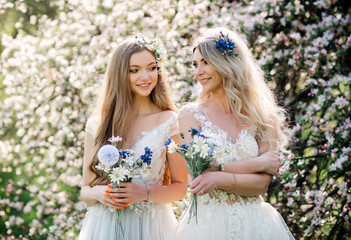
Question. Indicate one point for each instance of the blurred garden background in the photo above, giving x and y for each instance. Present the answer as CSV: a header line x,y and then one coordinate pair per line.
x,y
53,57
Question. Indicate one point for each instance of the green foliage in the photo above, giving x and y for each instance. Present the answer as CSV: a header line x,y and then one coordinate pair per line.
x,y
53,58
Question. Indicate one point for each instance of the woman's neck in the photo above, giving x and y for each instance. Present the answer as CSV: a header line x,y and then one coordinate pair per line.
x,y
142,106
220,101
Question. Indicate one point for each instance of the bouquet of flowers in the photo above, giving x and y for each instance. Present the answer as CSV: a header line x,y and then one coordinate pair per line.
x,y
120,166
200,153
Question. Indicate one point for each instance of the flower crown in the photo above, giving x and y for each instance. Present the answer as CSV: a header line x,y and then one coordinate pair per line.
x,y
225,44
157,48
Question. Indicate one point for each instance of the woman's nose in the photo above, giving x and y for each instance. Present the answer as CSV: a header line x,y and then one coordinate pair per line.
x,y
144,75
199,70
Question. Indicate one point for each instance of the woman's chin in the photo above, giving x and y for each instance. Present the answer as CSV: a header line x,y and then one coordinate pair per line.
x,y
207,89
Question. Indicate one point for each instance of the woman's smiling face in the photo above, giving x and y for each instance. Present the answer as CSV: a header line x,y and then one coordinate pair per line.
x,y
209,78
143,73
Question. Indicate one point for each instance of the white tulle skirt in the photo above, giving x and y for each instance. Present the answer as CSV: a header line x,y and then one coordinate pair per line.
x,y
256,220
156,222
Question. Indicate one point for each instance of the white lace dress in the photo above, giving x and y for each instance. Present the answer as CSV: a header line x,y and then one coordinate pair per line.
x,y
152,221
223,215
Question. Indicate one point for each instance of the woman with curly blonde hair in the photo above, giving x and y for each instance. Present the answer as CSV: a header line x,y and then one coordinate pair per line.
x,y
134,104
239,112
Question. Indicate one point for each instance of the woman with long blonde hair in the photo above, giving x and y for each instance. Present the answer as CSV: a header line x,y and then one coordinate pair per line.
x,y
134,104
238,112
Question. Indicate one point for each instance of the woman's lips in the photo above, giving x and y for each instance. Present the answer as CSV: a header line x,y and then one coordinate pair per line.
x,y
144,85
204,80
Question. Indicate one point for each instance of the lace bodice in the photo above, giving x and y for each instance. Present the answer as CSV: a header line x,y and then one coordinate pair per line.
x,y
153,139
243,148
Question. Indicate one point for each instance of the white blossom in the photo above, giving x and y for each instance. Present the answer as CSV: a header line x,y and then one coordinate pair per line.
x,y
172,147
118,174
115,139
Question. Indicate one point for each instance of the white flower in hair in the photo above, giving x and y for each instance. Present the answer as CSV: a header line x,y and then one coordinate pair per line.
x,y
108,155
157,47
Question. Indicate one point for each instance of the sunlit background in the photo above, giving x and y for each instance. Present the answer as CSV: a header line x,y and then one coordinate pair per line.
x,y
53,57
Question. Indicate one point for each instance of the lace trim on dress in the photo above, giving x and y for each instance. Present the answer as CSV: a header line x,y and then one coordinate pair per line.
x,y
166,129
93,124
155,140
245,143
236,214
244,147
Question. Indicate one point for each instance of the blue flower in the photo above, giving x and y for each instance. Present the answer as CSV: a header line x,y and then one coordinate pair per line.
x,y
147,156
200,135
184,146
124,154
168,142
221,44
194,131
148,151
182,135
230,44
225,44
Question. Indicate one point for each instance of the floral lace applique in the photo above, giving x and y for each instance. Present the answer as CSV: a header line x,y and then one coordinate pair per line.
x,y
245,146
226,215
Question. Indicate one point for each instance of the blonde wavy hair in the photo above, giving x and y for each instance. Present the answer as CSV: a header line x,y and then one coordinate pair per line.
x,y
243,81
115,100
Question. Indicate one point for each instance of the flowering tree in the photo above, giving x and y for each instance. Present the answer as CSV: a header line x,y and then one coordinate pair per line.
x,y
51,77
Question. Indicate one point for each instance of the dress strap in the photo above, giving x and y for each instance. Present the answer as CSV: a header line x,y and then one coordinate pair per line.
x,y
92,125
197,112
171,126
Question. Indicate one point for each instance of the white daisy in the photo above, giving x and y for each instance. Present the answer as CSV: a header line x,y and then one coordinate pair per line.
x,y
145,171
103,168
220,155
115,139
118,174
172,147
204,150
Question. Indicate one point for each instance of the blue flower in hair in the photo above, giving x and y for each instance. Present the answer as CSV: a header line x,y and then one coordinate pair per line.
x,y
221,44
225,44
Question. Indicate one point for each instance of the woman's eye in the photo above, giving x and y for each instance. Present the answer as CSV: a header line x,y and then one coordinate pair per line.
x,y
194,65
152,68
205,62
133,70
